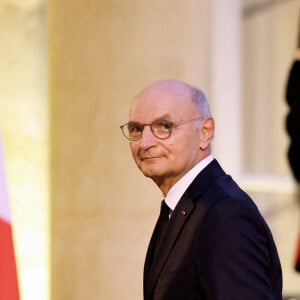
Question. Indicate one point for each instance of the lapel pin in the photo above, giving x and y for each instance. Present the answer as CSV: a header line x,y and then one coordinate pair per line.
x,y
183,212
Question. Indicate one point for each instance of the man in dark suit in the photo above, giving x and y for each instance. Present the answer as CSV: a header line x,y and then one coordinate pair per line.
x,y
210,241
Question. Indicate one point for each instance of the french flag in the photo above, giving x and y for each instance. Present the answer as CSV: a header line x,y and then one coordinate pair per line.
x,y
8,272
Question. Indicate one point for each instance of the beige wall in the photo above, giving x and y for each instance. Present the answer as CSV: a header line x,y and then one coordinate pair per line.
x,y
103,210
269,43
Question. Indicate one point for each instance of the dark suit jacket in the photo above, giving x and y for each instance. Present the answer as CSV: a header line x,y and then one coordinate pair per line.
x,y
216,246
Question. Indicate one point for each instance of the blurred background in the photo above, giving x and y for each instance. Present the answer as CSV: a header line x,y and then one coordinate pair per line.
x,y
82,214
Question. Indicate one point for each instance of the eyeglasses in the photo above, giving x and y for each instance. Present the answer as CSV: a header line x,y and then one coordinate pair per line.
x,y
161,129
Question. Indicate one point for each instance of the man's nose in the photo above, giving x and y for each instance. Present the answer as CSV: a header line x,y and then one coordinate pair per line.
x,y
148,139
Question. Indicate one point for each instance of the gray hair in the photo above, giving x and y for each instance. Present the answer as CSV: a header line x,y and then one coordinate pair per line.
x,y
199,98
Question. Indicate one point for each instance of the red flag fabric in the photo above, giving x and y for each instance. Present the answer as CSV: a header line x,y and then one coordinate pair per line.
x,y
9,289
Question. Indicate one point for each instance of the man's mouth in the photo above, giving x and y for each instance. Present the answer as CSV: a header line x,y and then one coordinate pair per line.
x,y
145,158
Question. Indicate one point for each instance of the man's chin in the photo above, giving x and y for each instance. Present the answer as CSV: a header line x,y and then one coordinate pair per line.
x,y
152,168
150,172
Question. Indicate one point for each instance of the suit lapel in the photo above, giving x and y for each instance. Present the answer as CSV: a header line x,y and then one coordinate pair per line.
x,y
149,257
173,229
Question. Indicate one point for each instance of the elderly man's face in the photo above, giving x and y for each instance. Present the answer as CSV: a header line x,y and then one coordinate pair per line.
x,y
166,160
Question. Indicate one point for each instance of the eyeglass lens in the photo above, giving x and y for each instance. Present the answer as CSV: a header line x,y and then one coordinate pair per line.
x,y
134,131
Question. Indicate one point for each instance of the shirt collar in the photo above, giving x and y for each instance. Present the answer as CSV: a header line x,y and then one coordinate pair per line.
x,y
178,189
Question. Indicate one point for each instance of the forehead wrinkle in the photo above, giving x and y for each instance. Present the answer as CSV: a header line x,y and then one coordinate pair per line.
x,y
165,117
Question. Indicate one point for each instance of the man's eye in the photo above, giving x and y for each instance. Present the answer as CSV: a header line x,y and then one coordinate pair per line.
x,y
164,125
135,128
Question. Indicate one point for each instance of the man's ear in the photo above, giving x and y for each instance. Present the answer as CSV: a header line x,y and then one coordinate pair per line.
x,y
207,133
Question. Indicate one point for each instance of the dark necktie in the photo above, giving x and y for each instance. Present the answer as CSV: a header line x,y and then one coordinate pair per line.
x,y
158,232
162,222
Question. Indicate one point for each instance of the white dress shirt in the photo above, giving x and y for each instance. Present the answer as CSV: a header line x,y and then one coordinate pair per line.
x,y
178,189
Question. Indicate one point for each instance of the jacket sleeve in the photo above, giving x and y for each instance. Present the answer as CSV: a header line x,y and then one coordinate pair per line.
x,y
238,258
